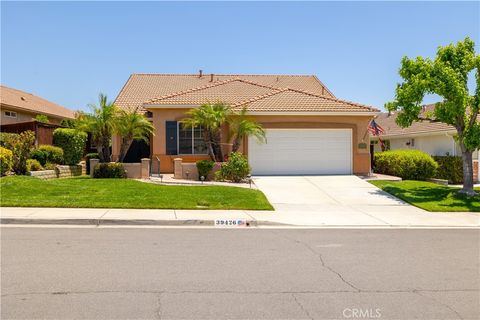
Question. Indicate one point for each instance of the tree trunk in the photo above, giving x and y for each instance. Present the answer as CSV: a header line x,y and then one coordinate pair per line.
x,y
207,137
106,148
218,146
236,144
467,172
126,143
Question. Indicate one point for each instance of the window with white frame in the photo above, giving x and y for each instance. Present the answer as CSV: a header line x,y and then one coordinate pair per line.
x,y
190,140
10,114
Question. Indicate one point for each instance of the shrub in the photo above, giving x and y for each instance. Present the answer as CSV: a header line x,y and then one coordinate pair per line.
x,y
235,169
407,164
6,139
49,166
204,167
46,153
109,170
6,160
72,142
41,118
449,168
21,146
89,156
33,165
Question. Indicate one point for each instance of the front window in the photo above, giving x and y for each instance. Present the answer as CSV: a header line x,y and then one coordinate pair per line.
x,y
190,140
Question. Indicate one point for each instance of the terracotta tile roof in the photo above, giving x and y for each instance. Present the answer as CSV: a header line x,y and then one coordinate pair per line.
x,y
387,122
143,87
230,91
290,100
31,103
259,98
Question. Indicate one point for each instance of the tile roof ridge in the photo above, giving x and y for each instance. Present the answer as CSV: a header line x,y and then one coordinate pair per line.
x,y
178,93
263,96
227,74
211,85
336,99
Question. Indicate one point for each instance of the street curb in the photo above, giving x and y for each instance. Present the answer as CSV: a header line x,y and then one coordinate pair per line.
x,y
137,222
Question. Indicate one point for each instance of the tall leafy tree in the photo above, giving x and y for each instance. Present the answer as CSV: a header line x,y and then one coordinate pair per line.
x,y
241,126
447,76
132,125
101,125
210,117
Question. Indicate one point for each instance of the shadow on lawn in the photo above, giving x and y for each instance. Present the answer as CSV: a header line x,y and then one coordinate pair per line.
x,y
442,196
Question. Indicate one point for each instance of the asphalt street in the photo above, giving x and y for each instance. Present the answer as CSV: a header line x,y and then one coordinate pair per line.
x,y
166,273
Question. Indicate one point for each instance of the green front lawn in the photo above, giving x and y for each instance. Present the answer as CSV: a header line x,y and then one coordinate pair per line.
x,y
84,192
430,196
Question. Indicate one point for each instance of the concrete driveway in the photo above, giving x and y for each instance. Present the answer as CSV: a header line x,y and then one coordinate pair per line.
x,y
345,200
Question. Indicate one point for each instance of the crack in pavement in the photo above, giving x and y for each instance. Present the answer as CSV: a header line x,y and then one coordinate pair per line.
x,y
322,261
302,307
441,303
158,312
231,292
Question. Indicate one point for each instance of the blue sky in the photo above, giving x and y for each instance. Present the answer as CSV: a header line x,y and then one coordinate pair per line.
x,y
68,52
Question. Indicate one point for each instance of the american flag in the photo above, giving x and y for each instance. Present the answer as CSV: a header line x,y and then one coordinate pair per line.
x,y
375,129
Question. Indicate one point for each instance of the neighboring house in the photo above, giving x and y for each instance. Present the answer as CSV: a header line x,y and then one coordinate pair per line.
x,y
309,130
434,138
19,106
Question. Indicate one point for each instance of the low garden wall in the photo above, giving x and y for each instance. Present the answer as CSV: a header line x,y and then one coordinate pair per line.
x,y
60,171
189,171
137,170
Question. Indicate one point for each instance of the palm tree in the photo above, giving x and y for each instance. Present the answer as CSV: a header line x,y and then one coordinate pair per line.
x,y
210,117
242,126
132,125
100,124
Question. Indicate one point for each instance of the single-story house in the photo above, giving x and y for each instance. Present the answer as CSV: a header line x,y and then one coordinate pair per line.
x,y
19,106
432,137
309,130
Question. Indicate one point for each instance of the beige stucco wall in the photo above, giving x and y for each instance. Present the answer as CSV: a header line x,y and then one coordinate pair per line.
x,y
358,124
22,116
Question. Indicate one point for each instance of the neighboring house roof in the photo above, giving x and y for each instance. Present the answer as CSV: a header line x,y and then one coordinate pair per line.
x,y
31,103
387,122
270,93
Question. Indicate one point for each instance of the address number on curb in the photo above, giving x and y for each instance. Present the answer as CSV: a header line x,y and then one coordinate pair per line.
x,y
231,223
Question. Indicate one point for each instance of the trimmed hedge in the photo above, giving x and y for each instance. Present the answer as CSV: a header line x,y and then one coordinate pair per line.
x,y
47,153
6,160
109,170
406,164
235,169
450,168
72,142
204,167
33,165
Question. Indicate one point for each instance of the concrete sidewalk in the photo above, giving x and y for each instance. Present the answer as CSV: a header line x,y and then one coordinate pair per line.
x,y
317,217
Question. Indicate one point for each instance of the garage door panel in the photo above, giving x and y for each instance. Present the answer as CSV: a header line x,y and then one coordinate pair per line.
x,y
302,151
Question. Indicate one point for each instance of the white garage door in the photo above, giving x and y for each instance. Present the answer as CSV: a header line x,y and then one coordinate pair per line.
x,y
302,151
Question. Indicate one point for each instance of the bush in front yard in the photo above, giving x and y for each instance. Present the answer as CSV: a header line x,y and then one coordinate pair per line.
x,y
72,142
449,168
235,169
407,164
47,153
6,160
21,146
204,167
33,165
109,170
